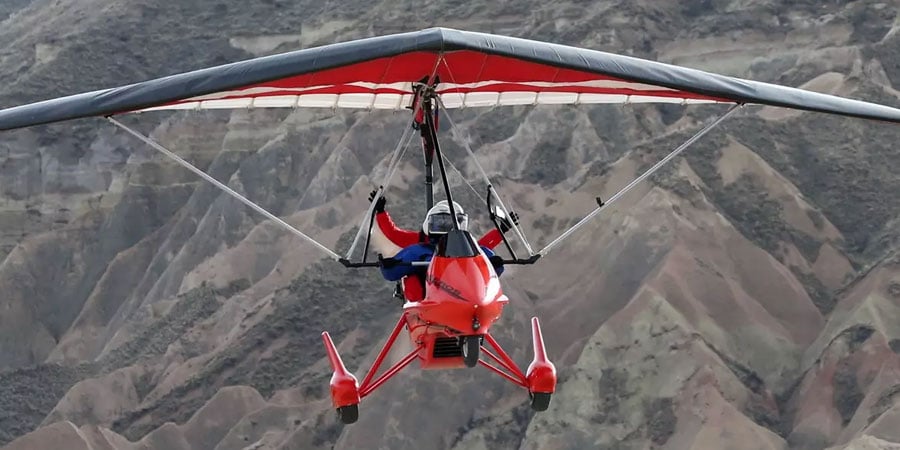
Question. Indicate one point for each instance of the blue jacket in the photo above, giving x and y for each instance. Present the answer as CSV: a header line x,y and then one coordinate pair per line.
x,y
419,252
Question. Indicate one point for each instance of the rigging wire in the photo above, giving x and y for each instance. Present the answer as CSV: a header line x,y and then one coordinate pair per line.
x,y
396,157
331,254
463,177
639,179
393,165
458,136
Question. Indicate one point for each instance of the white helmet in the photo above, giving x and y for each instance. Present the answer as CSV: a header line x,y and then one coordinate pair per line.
x,y
439,221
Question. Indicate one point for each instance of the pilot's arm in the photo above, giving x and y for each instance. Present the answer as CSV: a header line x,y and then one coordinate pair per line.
x,y
393,269
496,260
395,234
494,237
491,239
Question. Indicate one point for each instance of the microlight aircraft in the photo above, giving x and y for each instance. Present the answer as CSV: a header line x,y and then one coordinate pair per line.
x,y
430,72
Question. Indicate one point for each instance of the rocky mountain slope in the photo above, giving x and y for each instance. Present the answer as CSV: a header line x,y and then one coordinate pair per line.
x,y
745,298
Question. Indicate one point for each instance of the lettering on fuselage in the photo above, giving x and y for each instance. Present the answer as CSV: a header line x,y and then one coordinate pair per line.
x,y
440,284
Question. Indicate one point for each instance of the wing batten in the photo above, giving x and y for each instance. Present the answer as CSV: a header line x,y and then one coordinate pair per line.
x,y
476,69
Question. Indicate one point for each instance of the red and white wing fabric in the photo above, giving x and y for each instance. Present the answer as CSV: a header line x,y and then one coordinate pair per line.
x,y
480,79
467,79
473,69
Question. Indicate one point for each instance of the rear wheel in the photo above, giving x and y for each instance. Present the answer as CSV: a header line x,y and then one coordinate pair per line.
x,y
470,350
540,401
348,414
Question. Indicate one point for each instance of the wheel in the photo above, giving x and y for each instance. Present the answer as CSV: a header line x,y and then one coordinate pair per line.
x,y
540,401
348,414
470,350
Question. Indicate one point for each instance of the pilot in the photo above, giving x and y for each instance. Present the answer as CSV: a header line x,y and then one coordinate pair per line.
x,y
438,222
400,238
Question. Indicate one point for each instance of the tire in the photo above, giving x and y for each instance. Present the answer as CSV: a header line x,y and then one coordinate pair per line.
x,y
540,401
471,349
348,414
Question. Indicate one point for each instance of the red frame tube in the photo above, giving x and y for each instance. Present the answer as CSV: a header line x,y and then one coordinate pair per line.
x,y
364,387
502,373
390,372
508,362
503,365
541,373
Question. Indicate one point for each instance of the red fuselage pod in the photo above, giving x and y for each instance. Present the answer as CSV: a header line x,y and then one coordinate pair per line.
x,y
462,298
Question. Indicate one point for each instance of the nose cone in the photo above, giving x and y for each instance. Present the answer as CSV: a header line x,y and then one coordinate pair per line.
x,y
476,281
465,292
490,304
491,292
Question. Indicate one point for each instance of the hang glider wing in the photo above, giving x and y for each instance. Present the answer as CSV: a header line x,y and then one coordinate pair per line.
x,y
473,69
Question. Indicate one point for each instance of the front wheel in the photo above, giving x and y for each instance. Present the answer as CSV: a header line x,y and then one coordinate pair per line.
x,y
470,350
348,414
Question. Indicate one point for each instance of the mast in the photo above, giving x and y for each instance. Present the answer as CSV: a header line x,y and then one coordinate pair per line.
x,y
432,133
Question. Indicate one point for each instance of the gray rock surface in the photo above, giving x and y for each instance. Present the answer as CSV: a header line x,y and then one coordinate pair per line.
x,y
744,298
